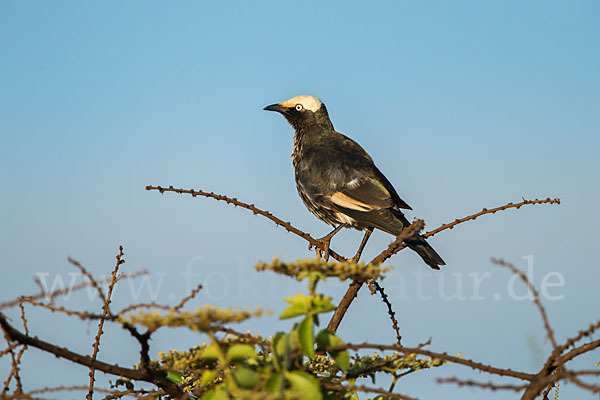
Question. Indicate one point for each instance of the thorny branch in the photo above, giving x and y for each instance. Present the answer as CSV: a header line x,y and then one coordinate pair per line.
x,y
536,297
553,370
144,373
256,211
150,376
63,292
398,244
91,279
105,313
482,385
394,247
391,313
485,211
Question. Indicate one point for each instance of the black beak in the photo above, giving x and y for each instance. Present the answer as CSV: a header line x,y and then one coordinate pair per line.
x,y
278,108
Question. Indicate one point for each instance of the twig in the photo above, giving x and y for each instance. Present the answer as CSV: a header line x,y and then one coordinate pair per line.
x,y
105,313
15,367
256,339
81,314
90,277
568,343
584,348
144,305
490,211
66,389
256,211
391,312
536,297
8,349
58,292
441,356
483,385
188,298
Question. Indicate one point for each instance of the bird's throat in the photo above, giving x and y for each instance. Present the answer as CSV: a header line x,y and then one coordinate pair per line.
x,y
298,144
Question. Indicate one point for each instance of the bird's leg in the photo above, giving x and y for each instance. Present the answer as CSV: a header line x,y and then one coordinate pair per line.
x,y
368,233
325,240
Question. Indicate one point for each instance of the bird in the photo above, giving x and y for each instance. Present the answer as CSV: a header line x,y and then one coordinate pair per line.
x,y
338,181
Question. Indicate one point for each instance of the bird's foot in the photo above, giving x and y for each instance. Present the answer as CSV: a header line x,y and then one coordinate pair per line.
x,y
323,250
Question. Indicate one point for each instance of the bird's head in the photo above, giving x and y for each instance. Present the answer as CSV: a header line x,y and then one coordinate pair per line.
x,y
303,111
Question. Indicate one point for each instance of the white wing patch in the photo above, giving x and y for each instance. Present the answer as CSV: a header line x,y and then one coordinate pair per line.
x,y
348,202
353,183
309,102
344,219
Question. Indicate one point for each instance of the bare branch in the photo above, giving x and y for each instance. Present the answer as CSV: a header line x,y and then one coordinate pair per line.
x,y
399,243
483,385
536,297
256,211
188,298
440,356
490,211
395,247
105,313
156,377
90,277
391,312
65,291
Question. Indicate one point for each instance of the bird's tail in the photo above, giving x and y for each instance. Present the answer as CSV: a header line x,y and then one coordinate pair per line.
x,y
427,253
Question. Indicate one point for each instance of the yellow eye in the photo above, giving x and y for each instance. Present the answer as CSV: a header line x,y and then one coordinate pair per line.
x,y
299,107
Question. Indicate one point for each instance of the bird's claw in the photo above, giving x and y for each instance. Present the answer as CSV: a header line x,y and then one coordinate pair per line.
x,y
322,252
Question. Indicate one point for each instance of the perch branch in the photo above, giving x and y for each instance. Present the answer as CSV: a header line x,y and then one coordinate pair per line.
x,y
395,247
256,211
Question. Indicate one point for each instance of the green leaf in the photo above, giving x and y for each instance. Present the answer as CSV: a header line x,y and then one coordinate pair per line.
x,y
305,384
240,351
321,304
174,376
275,355
219,393
211,352
342,359
274,383
294,339
305,336
326,338
245,377
301,304
281,344
281,348
208,376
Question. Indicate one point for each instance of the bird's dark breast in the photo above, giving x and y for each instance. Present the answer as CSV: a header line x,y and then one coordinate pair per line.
x,y
315,202
324,163
314,185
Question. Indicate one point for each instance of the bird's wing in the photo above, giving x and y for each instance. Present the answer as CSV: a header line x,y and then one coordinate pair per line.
x,y
377,187
397,200
366,194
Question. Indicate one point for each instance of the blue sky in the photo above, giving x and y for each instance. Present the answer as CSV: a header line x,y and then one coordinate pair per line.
x,y
462,105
